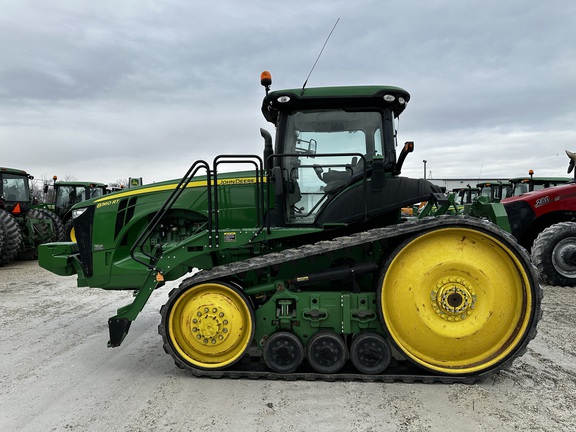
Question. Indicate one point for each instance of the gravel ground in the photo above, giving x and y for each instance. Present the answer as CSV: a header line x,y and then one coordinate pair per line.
x,y
56,374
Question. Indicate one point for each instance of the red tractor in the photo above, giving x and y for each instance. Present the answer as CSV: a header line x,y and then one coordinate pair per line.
x,y
544,221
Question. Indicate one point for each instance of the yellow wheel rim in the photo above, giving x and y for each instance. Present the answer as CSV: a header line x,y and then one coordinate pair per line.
x,y
456,300
210,325
73,235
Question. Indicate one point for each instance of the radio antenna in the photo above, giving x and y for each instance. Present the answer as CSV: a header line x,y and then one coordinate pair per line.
x,y
318,58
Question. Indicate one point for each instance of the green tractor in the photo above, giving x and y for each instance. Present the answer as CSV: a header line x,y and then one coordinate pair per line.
x,y
68,193
306,268
495,190
23,227
522,185
465,195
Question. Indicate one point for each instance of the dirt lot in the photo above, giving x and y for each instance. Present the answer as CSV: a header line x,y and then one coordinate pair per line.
x,y
56,374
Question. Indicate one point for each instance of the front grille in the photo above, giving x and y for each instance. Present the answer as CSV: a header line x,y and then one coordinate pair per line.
x,y
83,225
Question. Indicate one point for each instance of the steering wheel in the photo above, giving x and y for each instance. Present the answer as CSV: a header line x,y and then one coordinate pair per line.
x,y
318,170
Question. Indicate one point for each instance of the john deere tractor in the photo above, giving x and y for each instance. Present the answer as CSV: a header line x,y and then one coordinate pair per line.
x,y
521,185
495,190
68,193
306,268
23,227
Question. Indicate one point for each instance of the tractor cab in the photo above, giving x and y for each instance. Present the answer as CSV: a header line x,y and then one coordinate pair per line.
x,y
522,185
68,193
494,191
332,141
465,195
15,191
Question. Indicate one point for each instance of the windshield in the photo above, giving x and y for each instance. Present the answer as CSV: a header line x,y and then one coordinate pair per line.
x,y
96,192
486,191
330,131
69,195
520,188
15,188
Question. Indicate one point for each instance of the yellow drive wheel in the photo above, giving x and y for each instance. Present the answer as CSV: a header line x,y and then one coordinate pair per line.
x,y
210,325
456,300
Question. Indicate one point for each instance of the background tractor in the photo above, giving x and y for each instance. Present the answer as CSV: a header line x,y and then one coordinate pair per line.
x,y
495,190
521,185
465,195
23,227
68,193
543,222
307,268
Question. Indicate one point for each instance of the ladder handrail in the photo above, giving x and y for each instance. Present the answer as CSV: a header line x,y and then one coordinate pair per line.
x,y
259,174
212,201
174,195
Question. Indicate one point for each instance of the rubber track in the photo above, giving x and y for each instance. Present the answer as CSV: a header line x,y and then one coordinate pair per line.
x,y
254,368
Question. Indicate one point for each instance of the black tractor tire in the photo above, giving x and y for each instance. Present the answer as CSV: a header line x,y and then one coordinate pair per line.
x,y
59,233
12,235
69,236
554,254
1,240
44,231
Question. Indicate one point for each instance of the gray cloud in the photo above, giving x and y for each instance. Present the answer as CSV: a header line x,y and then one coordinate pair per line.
x,y
108,90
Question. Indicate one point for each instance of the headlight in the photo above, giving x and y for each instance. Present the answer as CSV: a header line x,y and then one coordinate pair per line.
x,y
78,212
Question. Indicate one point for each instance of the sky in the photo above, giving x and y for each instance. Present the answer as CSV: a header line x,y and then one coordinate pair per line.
x,y
112,89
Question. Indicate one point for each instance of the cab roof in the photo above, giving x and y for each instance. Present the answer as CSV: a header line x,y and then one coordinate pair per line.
x,y
14,171
540,179
80,183
345,97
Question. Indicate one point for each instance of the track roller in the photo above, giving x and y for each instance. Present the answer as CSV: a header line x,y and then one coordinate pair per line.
x,y
283,352
326,352
370,353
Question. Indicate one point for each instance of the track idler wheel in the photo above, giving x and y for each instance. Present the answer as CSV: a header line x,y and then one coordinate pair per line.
x,y
209,325
370,353
326,352
460,299
283,352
